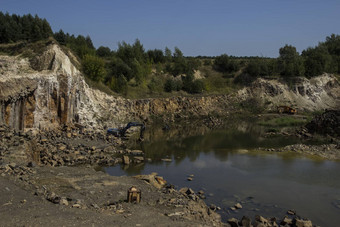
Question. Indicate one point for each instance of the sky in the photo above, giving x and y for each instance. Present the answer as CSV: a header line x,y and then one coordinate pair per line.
x,y
197,27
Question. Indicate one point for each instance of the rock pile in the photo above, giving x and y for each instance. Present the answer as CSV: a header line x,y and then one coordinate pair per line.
x,y
69,146
260,221
327,123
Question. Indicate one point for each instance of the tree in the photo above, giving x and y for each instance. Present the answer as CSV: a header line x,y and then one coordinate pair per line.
x,y
103,51
60,37
225,64
290,62
168,54
119,67
118,84
93,67
15,28
156,56
317,61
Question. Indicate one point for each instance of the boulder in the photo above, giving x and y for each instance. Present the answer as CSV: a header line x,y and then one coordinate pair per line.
x,y
233,222
155,181
238,206
245,221
126,160
302,223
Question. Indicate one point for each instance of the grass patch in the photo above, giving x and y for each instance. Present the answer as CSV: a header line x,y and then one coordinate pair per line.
x,y
286,121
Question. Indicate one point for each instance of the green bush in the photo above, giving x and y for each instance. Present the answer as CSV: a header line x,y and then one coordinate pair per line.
x,y
225,64
118,84
172,85
94,67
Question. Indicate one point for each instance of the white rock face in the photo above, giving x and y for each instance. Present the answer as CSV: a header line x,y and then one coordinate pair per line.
x,y
318,93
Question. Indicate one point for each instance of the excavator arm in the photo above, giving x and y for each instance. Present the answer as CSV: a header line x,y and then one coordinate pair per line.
x,y
121,131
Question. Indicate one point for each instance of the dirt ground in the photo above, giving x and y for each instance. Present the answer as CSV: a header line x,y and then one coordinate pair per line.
x,y
80,196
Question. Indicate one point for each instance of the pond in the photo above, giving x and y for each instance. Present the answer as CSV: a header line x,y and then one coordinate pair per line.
x,y
227,171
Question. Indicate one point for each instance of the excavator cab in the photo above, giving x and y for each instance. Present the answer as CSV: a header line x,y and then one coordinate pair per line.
x,y
286,110
120,132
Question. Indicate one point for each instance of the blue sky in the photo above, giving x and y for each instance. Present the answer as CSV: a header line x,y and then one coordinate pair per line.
x,y
197,27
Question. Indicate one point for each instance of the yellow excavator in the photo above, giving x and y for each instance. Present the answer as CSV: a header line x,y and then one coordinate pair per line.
x,y
286,110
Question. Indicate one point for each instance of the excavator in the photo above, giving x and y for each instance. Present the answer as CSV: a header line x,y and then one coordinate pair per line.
x,y
120,132
286,109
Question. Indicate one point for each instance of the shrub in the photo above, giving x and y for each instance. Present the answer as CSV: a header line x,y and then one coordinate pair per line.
x,y
93,67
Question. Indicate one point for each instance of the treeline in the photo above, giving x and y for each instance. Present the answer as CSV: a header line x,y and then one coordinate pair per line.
x,y
131,65
14,28
313,61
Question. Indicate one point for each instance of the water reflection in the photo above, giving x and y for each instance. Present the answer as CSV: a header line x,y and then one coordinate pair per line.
x,y
189,140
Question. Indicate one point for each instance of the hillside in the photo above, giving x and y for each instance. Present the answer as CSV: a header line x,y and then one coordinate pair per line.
x,y
46,89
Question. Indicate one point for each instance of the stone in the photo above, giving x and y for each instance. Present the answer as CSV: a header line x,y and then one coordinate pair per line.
x,y
246,221
190,179
136,152
160,180
238,206
156,181
69,135
302,223
76,205
175,214
139,158
200,192
166,160
213,207
233,222
291,212
63,201
286,221
126,160
183,190
261,220
62,148
190,192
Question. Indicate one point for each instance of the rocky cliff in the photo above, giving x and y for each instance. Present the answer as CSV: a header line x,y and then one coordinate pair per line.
x,y
48,90
318,93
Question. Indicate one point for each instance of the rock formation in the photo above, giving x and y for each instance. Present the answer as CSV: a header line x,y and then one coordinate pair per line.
x,y
318,93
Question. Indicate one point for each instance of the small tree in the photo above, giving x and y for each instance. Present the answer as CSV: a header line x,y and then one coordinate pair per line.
x,y
224,63
118,84
93,67
103,51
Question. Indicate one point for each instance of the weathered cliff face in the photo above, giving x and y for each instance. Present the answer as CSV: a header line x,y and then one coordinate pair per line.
x,y
318,93
42,98
49,90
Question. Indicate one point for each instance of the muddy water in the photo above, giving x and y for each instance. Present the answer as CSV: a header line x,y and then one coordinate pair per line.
x,y
224,167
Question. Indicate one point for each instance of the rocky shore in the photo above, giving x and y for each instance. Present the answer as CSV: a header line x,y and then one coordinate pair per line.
x,y
49,178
